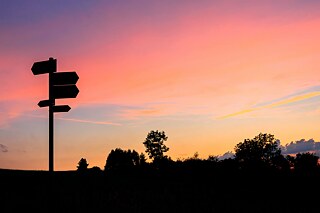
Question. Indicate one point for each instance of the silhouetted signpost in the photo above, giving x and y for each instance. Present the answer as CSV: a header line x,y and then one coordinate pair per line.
x,y
61,85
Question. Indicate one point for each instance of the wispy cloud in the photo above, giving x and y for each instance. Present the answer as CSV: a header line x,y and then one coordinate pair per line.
x,y
132,114
284,101
89,121
146,111
67,119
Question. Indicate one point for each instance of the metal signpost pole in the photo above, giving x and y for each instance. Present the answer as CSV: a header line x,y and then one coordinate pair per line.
x,y
51,124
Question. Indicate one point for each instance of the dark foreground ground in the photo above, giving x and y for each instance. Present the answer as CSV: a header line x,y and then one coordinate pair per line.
x,y
38,191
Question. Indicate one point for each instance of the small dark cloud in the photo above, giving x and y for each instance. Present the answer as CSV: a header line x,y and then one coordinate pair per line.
x,y
226,156
3,148
301,146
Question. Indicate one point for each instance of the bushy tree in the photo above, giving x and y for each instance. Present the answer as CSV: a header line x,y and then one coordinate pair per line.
x,y
281,163
306,162
154,144
82,165
142,159
259,152
213,158
95,170
291,160
119,159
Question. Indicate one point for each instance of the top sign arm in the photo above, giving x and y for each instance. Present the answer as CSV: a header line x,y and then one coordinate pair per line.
x,y
42,67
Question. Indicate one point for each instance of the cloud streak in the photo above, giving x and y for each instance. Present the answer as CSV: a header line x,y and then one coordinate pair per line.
x,y
68,119
146,111
89,121
289,100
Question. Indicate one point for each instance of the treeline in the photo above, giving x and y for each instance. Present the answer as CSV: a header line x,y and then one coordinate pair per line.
x,y
259,155
257,179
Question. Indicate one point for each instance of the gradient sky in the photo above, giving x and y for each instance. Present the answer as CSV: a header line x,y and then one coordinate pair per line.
x,y
208,73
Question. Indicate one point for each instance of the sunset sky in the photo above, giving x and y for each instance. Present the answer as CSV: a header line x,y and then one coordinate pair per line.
x,y
208,73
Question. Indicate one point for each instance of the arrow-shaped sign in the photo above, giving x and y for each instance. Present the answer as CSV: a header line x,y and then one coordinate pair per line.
x,y
62,78
65,91
61,108
42,67
44,103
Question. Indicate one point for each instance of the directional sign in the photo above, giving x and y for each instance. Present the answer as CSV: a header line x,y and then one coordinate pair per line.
x,y
44,103
65,91
42,67
61,108
62,78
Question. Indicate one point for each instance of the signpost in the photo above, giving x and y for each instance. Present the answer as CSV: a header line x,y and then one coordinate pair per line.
x,y
61,85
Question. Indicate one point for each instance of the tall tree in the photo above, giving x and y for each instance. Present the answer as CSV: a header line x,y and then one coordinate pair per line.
x,y
154,143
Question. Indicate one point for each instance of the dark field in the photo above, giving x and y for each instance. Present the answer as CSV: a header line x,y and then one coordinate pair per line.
x,y
97,192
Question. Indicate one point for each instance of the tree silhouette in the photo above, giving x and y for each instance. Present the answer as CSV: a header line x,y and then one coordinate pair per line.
x,y
154,144
280,163
291,161
259,152
306,162
95,170
82,165
119,159
213,158
142,159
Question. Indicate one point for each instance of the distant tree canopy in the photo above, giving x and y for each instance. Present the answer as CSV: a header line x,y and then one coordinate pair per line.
x,y
123,159
95,169
154,144
142,159
82,165
263,150
306,162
